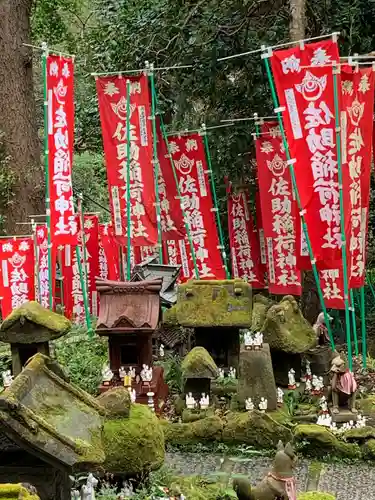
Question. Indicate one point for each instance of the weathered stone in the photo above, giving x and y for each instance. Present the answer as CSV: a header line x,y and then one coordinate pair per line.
x,y
320,361
319,441
116,401
261,304
199,364
207,429
256,378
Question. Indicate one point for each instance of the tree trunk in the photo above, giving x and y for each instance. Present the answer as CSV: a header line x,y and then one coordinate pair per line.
x,y
297,19
21,172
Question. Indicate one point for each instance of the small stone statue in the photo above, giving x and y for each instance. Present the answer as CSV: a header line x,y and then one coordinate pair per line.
x,y
279,483
323,404
258,340
131,372
127,490
325,420
317,383
161,351
291,379
308,370
150,401
334,427
248,340
361,422
133,394
343,386
321,329
220,373
280,397
122,373
146,374
249,405
190,401
308,386
232,373
7,378
107,375
204,402
88,490
263,405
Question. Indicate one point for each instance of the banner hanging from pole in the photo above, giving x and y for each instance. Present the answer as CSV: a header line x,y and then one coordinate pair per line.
x,y
112,106
91,223
243,238
60,91
191,168
17,284
279,212
109,254
42,256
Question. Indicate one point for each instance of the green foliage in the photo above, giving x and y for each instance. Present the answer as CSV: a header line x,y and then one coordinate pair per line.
x,y
173,373
83,359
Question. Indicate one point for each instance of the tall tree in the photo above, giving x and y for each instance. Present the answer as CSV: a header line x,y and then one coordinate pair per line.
x,y
21,178
297,19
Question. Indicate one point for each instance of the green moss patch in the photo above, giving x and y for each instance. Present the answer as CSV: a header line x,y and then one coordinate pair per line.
x,y
193,416
16,492
315,495
318,441
368,449
116,401
198,363
360,435
207,429
261,304
133,445
286,330
170,316
214,303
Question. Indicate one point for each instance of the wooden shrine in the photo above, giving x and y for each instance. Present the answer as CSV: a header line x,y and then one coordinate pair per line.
x,y
129,316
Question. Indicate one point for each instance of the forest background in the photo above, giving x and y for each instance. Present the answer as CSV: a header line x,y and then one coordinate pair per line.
x,y
111,35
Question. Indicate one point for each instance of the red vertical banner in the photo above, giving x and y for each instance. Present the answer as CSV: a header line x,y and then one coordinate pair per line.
x,y
17,273
191,167
305,87
112,106
244,244
60,91
42,257
357,85
109,254
260,229
91,226
278,212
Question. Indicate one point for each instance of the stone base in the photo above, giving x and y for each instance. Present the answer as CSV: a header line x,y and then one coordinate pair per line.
x,y
344,416
256,378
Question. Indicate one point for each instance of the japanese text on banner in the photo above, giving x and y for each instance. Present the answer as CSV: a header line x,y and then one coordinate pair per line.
x,y
43,280
109,254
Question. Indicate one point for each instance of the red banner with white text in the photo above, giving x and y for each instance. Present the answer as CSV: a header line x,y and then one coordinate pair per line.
x,y
91,223
279,212
73,298
17,283
113,113
109,254
43,275
305,87
357,87
60,90
243,238
191,168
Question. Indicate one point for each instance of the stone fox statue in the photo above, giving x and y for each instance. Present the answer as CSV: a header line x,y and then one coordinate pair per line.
x,y
343,385
279,483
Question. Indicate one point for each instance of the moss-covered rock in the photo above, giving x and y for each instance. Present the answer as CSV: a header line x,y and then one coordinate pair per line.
x,y
207,429
261,304
204,303
193,416
360,435
285,329
254,428
315,495
368,449
133,445
116,401
32,323
224,388
16,492
319,441
198,363
367,406
170,316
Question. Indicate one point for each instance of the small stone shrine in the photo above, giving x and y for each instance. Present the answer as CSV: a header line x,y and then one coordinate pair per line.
x,y
216,310
198,369
29,329
129,315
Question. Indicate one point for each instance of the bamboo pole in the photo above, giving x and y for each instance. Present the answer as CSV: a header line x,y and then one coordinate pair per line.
x,y
363,327
46,172
335,72
82,279
216,208
128,200
290,162
151,77
354,322
184,215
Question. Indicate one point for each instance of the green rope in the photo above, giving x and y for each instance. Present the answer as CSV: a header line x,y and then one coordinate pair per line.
x,y
128,200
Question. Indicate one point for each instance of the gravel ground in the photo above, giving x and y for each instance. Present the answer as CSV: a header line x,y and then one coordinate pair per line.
x,y
347,482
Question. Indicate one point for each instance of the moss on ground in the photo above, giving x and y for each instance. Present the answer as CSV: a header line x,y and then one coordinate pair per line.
x,y
368,449
199,488
367,405
214,303
261,304
15,492
360,435
116,401
207,429
315,495
285,329
133,445
193,416
318,441
198,363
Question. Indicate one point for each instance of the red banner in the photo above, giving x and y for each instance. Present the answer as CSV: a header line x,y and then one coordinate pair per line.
x,y
356,128
73,297
278,212
91,223
43,278
17,273
244,244
109,256
112,106
260,229
60,90
191,169
304,81
178,253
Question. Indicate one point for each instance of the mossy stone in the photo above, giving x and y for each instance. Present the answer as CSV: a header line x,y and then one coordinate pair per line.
x,y
319,441
198,363
261,304
256,378
205,303
32,323
207,429
170,316
368,450
16,492
254,428
193,416
315,495
133,445
285,329
360,435
116,401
